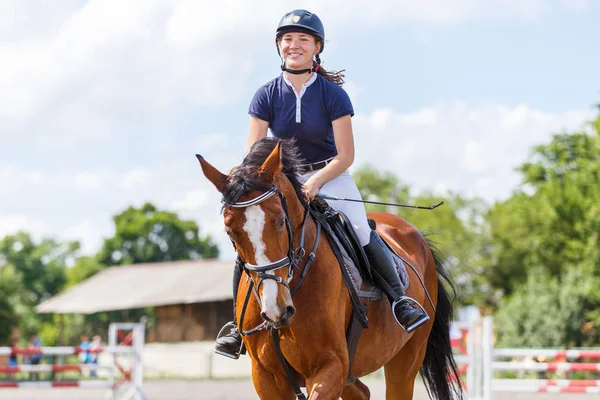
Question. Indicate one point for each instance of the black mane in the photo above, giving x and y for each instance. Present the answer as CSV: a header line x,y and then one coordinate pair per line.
x,y
244,178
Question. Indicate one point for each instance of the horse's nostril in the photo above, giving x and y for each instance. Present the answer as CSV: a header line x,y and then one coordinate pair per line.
x,y
291,311
265,317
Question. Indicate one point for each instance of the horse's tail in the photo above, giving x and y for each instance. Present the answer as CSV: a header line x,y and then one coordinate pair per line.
x,y
439,367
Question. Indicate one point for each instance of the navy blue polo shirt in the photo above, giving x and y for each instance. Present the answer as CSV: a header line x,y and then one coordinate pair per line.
x,y
307,115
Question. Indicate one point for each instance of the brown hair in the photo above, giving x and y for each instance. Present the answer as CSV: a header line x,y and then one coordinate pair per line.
x,y
336,77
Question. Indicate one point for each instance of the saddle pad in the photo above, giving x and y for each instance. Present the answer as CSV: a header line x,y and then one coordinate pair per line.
x,y
368,289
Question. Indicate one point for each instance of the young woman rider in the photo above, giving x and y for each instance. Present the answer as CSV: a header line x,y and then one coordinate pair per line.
x,y
308,103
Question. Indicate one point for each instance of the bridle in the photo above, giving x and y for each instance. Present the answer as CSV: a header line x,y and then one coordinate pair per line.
x,y
292,258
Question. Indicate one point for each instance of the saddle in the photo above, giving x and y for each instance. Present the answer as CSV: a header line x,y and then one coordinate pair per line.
x,y
355,269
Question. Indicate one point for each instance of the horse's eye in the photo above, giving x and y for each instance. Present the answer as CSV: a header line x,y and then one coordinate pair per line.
x,y
281,223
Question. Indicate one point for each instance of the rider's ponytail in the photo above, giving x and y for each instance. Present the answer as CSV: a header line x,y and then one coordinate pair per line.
x,y
336,77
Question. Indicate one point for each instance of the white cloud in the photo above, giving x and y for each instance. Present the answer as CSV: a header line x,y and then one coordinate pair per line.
x,y
192,200
11,224
75,66
90,181
88,233
212,141
344,14
472,150
36,177
135,179
576,5
473,156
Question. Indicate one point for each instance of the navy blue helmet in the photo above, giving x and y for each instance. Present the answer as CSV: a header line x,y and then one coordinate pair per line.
x,y
302,21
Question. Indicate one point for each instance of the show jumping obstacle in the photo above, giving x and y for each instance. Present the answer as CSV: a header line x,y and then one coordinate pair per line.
x,y
465,351
479,360
120,346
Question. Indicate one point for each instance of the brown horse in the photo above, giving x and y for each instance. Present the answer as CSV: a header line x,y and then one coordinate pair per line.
x,y
264,213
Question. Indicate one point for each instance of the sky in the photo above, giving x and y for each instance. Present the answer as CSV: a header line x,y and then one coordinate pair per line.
x,y
104,103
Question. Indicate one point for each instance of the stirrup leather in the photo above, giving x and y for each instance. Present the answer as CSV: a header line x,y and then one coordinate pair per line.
x,y
228,327
418,322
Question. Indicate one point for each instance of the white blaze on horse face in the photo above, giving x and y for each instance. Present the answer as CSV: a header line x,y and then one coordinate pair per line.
x,y
255,223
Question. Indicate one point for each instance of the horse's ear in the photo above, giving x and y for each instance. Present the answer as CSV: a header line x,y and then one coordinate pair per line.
x,y
272,165
212,174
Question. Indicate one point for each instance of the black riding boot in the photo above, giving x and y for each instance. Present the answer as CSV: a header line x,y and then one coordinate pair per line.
x,y
230,344
408,312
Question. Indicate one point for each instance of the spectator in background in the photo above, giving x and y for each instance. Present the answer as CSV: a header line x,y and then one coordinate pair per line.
x,y
35,345
84,346
94,355
12,358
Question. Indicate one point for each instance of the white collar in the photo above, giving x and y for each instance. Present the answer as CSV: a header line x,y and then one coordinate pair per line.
x,y
309,82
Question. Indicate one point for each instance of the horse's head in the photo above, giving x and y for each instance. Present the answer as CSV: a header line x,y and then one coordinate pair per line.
x,y
262,207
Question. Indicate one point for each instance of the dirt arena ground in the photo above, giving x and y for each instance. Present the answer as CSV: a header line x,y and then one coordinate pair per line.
x,y
230,390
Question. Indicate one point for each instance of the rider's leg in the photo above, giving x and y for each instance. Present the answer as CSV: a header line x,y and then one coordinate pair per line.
x,y
229,345
344,186
408,314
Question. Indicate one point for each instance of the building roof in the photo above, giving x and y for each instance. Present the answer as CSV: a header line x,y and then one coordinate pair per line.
x,y
145,285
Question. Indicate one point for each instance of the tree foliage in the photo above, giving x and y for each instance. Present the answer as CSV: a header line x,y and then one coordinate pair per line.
x,y
548,232
31,272
10,292
40,265
543,312
85,267
147,234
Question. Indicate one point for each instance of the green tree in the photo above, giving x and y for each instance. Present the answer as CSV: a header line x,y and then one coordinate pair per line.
x,y
10,293
84,268
544,312
549,229
31,273
40,265
147,234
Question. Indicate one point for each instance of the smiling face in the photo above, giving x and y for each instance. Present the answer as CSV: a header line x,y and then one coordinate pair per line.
x,y
298,49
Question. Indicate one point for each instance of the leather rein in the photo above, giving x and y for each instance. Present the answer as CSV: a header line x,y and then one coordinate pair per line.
x,y
291,259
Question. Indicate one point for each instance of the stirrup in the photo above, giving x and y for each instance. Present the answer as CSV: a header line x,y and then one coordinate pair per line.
x,y
228,327
420,321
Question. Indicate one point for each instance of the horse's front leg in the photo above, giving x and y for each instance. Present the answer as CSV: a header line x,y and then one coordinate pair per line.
x,y
269,386
328,381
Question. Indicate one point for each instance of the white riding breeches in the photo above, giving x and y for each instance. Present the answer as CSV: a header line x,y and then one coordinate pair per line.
x,y
344,186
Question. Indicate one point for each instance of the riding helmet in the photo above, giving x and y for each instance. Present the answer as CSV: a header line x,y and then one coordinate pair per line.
x,y
302,21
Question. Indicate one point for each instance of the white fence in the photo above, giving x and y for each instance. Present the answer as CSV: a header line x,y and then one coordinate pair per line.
x,y
485,361
119,363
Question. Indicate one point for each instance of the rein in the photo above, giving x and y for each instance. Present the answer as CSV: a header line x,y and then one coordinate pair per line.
x,y
292,258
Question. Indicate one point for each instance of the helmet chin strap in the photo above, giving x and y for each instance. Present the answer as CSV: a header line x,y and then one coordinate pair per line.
x,y
315,68
298,71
